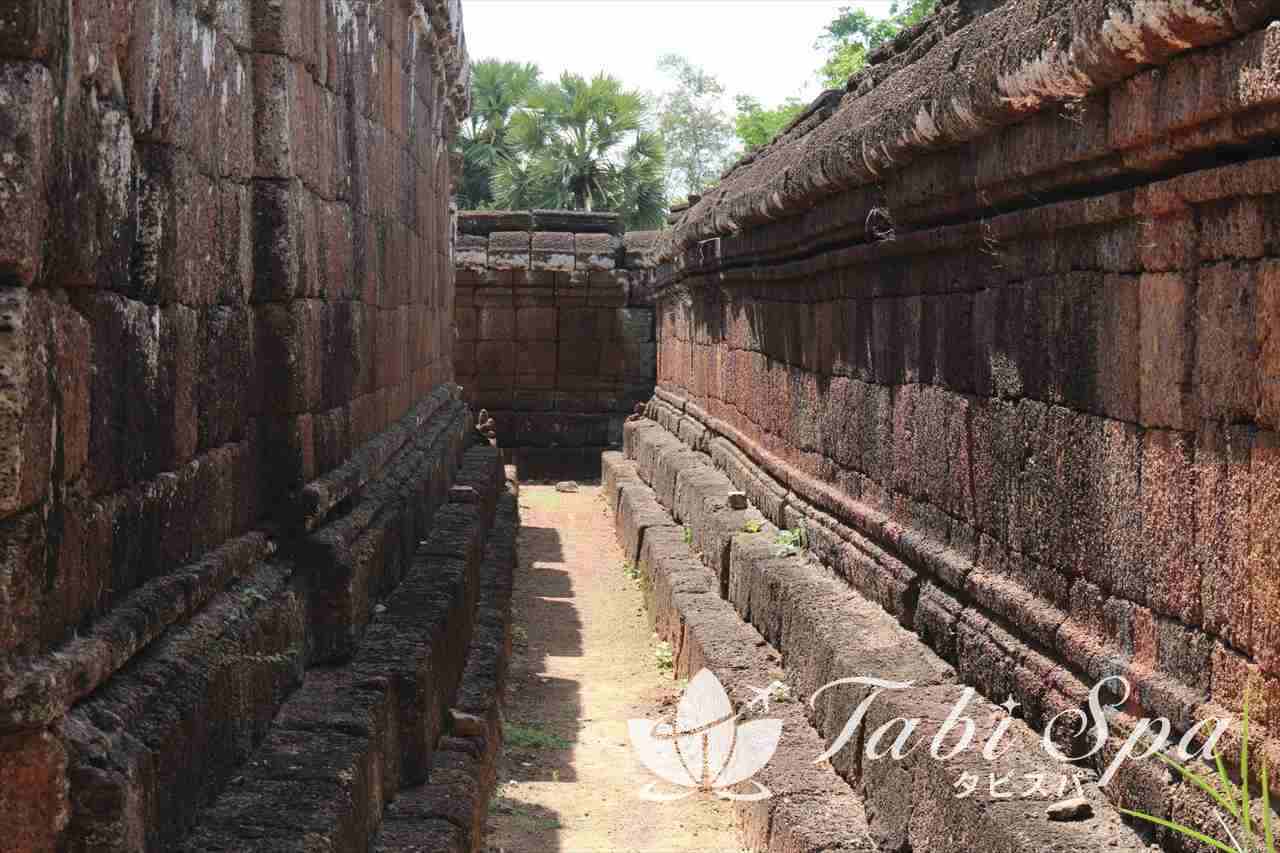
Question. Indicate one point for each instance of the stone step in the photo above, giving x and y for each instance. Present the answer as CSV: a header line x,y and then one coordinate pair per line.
x,y
826,631
159,739
346,742
448,813
810,807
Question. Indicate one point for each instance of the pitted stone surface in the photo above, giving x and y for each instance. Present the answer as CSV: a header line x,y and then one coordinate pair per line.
x,y
1011,377
227,408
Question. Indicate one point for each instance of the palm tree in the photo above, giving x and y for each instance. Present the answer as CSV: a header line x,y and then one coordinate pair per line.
x,y
497,89
583,145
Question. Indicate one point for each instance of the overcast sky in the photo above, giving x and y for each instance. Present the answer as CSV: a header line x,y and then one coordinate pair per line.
x,y
758,47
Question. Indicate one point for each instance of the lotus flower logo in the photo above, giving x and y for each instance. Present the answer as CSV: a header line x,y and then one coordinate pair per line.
x,y
707,749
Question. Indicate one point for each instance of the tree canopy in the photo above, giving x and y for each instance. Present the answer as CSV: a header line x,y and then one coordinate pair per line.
x,y
593,144
582,144
853,34
498,89
697,132
757,125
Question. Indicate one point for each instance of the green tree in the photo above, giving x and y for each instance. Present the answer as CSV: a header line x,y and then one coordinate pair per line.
x,y
497,89
853,34
697,133
581,144
757,125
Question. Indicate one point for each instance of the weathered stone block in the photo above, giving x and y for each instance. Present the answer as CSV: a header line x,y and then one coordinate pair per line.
x,y
577,221
597,252
22,550
179,367
245,650
1222,530
26,150
194,234
578,356
553,251
580,324
288,341
536,360
471,256
464,358
495,358
1166,351
345,347
1268,332
1226,341
1231,229
1168,523
214,95
44,395
1264,549
1169,243
468,320
127,439
497,323
1115,369
277,26
484,222
283,257
33,790
391,331
509,250
536,323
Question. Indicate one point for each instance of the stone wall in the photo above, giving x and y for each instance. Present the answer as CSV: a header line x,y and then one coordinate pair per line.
x,y
1000,325
554,332
226,404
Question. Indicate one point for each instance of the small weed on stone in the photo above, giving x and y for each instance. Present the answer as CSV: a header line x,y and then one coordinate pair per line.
x,y
791,542
663,654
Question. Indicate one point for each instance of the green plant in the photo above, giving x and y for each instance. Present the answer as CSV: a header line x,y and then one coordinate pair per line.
x,y
697,132
850,38
664,656
530,736
753,526
498,90
630,570
757,125
688,535
1232,799
791,542
584,144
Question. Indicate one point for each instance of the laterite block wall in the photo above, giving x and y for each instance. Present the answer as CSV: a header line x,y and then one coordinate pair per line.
x,y
1001,325
225,321
555,332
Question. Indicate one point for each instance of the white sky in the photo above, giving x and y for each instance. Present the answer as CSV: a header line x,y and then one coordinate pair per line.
x,y
762,48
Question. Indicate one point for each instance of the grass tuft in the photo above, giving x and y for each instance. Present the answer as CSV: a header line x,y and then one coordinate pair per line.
x,y
531,736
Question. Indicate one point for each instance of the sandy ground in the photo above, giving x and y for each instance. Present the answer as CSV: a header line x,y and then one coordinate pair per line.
x,y
585,662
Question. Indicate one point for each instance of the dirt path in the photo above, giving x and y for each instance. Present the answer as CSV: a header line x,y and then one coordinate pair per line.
x,y
585,662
